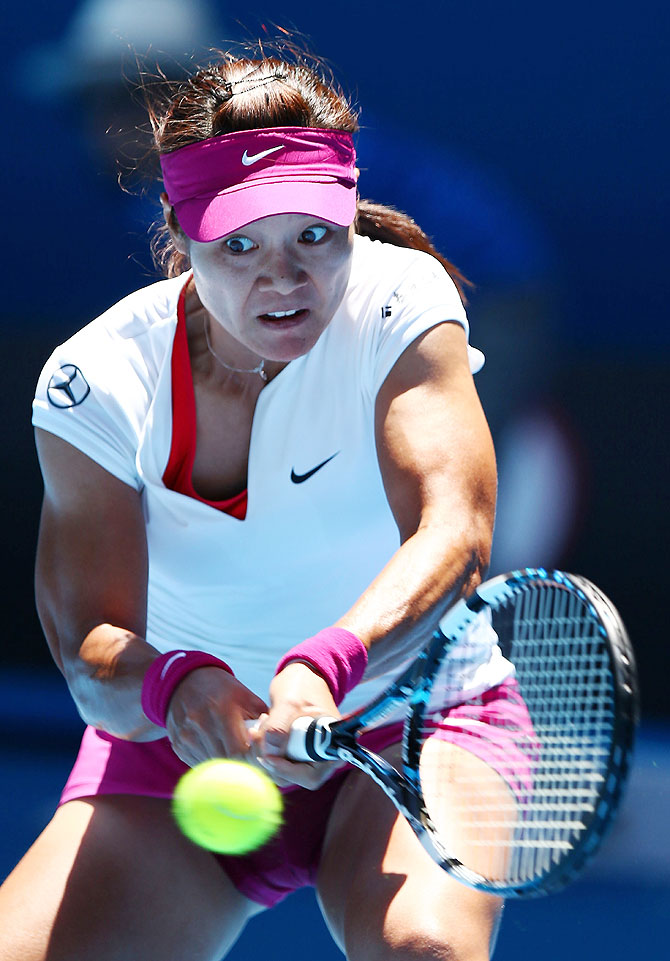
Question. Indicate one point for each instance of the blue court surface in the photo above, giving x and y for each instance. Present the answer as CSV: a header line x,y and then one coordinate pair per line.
x,y
619,910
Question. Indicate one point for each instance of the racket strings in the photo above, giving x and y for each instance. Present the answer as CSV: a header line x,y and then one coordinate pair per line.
x,y
511,783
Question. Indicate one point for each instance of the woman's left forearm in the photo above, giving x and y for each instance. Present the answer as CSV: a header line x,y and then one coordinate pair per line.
x,y
437,463
432,569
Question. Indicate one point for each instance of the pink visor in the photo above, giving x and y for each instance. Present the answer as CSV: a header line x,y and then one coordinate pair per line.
x,y
218,185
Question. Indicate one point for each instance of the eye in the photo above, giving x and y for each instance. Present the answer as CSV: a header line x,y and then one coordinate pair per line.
x,y
239,245
312,235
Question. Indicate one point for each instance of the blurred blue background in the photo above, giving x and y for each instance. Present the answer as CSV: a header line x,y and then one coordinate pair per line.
x,y
531,143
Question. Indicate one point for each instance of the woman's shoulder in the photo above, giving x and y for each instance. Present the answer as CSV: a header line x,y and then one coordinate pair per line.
x,y
378,255
394,295
120,353
144,318
384,274
96,387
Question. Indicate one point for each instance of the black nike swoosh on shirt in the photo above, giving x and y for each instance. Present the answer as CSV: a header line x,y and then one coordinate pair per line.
x,y
301,478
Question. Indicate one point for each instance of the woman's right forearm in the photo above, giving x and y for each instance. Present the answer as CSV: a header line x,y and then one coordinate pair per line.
x,y
105,679
91,577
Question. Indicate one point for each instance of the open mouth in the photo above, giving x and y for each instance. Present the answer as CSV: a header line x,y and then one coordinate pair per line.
x,y
284,315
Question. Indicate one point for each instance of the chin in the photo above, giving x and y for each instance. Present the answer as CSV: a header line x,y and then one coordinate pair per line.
x,y
289,344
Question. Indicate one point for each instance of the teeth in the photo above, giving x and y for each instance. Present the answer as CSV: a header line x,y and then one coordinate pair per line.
x,y
282,313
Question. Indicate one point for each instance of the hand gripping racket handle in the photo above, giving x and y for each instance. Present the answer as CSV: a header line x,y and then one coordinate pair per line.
x,y
310,739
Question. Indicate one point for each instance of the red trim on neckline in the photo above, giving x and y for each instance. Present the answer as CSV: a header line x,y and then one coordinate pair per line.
x,y
178,474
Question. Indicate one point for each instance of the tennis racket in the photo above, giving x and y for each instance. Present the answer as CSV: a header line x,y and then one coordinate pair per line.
x,y
524,814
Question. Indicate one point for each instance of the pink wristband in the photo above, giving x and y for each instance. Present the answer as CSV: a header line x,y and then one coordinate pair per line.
x,y
338,655
163,676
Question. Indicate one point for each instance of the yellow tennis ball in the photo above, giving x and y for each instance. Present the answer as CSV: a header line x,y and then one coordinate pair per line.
x,y
226,806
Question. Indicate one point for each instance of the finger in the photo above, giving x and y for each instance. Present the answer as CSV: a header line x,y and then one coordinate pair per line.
x,y
307,775
188,742
195,744
281,778
185,756
254,727
239,735
274,776
276,731
189,754
255,740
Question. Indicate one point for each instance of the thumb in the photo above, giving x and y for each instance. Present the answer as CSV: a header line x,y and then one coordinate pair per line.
x,y
277,727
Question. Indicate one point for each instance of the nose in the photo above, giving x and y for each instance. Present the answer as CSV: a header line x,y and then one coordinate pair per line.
x,y
282,273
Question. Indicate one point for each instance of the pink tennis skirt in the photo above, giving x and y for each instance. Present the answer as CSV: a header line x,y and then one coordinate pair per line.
x,y
495,727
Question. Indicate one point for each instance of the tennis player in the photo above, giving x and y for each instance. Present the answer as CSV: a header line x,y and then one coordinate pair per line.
x,y
263,475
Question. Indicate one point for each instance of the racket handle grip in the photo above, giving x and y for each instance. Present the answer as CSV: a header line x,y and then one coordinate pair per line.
x,y
309,739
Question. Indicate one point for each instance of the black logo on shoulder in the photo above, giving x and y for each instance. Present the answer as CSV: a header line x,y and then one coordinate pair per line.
x,y
387,309
301,478
68,387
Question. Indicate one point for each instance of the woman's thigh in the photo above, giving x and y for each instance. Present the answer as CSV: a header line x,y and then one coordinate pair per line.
x,y
382,895
111,877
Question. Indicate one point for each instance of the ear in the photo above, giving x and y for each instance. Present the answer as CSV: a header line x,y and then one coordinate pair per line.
x,y
179,238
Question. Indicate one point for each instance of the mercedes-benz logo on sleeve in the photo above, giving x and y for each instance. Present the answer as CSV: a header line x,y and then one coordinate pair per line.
x,y
67,387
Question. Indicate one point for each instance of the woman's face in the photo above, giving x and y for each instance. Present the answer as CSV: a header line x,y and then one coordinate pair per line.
x,y
274,285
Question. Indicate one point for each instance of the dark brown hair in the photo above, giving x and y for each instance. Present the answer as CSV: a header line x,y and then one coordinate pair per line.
x,y
245,93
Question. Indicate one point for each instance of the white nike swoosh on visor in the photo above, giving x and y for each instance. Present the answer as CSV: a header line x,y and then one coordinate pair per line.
x,y
248,161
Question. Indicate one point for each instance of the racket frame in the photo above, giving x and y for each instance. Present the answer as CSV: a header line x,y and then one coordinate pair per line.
x,y
329,738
